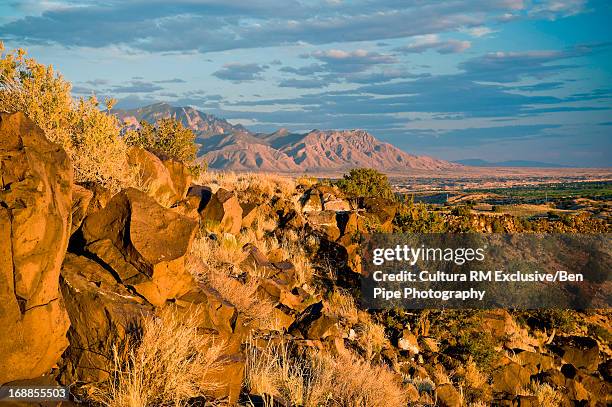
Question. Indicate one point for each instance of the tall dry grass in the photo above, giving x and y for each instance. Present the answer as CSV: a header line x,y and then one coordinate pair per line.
x,y
318,379
170,364
249,183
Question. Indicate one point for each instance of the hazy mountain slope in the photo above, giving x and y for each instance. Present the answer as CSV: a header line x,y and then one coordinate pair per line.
x,y
354,148
233,147
203,124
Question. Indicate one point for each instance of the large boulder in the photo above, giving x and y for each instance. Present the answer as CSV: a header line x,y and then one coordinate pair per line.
x,y
35,212
380,211
144,243
223,209
180,176
324,223
102,313
153,176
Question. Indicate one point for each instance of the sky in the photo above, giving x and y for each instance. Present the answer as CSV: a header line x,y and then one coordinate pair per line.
x,y
491,79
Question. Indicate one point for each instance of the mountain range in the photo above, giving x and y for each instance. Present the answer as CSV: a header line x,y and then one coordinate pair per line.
x,y
233,147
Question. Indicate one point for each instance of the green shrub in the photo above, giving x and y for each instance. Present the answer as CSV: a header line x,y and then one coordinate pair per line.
x,y
462,210
167,139
415,218
366,182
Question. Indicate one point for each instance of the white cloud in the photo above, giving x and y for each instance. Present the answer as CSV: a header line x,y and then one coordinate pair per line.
x,y
422,43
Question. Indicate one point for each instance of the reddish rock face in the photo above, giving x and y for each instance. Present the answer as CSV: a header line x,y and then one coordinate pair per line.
x,y
223,208
35,220
155,177
144,243
180,176
102,312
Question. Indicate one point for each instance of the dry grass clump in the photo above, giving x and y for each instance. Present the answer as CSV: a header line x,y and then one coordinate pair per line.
x,y
473,376
320,379
547,396
226,250
370,335
341,306
242,295
169,364
249,183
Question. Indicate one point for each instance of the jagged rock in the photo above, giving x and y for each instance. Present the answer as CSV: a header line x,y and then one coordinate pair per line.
x,y
250,211
323,327
257,263
154,176
311,201
510,379
324,222
144,243
196,198
101,197
35,220
223,208
221,321
102,312
448,396
580,351
180,176
536,362
381,211
81,197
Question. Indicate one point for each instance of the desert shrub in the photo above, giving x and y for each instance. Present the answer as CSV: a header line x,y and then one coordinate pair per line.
x,y
462,211
546,395
89,136
415,218
366,182
167,139
479,345
553,318
169,364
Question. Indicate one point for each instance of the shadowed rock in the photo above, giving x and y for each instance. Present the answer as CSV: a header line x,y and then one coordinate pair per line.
x,y
35,212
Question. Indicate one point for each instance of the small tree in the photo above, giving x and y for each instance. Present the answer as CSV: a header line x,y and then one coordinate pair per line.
x,y
167,139
368,182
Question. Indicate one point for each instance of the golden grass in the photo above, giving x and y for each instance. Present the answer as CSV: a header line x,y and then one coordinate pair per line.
x,y
241,295
370,335
472,376
319,379
341,306
168,365
221,253
547,396
249,183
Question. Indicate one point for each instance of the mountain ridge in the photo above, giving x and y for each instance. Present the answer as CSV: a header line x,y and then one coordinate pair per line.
x,y
234,147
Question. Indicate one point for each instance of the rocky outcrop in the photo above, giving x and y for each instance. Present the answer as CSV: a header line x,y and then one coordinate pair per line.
x,y
223,209
35,223
102,313
154,176
143,243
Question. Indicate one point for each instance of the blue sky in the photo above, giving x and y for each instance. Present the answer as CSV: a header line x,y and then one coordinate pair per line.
x,y
492,79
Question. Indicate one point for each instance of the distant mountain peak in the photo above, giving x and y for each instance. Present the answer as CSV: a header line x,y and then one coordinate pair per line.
x,y
233,147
